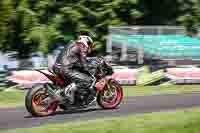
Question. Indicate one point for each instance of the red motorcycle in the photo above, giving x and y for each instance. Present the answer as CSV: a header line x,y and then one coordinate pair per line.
x,y
43,99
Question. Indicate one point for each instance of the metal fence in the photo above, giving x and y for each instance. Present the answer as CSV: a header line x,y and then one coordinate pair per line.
x,y
152,42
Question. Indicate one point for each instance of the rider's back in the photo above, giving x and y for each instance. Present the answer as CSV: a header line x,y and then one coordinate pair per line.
x,y
70,56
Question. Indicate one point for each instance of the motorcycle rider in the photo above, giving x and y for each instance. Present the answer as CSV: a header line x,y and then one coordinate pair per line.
x,y
72,61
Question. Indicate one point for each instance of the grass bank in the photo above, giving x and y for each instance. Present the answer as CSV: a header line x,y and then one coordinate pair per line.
x,y
16,97
11,98
182,121
151,90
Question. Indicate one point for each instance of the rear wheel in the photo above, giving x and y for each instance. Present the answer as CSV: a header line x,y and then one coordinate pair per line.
x,y
39,103
111,96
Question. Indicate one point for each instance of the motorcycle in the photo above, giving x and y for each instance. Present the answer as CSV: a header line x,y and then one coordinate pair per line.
x,y
43,99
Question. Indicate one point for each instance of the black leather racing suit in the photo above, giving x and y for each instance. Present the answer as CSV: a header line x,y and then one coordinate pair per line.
x,y
74,65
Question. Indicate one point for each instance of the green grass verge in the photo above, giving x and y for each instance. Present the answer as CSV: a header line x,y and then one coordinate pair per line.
x,y
16,97
11,98
152,90
181,121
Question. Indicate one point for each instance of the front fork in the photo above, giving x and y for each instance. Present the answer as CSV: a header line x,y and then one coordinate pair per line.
x,y
93,83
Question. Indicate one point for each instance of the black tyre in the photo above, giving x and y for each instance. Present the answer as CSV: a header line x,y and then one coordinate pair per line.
x,y
38,102
110,102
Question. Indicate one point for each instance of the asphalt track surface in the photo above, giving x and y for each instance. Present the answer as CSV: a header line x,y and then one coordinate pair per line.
x,y
11,118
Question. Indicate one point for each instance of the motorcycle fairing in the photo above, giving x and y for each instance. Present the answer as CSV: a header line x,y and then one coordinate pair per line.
x,y
101,84
54,78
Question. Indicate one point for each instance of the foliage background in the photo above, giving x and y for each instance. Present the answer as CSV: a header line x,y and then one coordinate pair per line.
x,y
27,26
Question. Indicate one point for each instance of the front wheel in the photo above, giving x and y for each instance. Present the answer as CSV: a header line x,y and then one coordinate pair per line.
x,y
111,96
38,102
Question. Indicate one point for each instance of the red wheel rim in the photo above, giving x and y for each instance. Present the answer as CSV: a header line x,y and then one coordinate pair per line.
x,y
37,101
50,108
112,103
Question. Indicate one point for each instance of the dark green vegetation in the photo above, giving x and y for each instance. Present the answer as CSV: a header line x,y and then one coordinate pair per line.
x,y
31,25
185,121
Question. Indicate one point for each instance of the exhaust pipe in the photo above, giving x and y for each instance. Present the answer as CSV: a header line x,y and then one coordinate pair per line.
x,y
52,92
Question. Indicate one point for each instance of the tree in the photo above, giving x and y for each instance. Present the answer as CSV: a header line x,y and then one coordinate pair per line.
x,y
189,14
27,26
7,13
